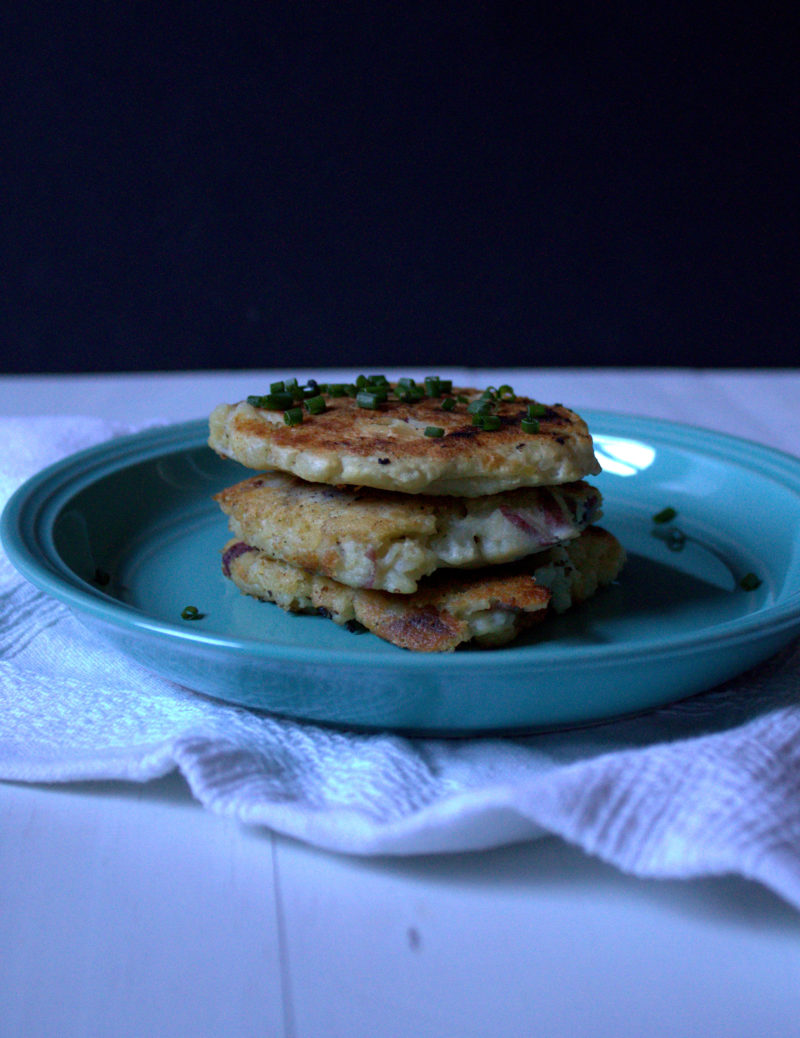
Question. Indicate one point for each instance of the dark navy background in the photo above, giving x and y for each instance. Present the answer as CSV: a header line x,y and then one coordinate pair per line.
x,y
224,185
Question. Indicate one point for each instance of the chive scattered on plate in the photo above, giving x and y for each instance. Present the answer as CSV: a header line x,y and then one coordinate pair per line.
x,y
666,515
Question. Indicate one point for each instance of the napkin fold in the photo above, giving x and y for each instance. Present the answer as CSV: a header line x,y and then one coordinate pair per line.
x,y
705,787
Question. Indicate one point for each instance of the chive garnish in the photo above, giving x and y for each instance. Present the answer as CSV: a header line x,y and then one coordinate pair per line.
x,y
435,431
368,399
435,386
372,382
410,394
315,404
370,391
487,422
666,515
749,582
277,401
191,613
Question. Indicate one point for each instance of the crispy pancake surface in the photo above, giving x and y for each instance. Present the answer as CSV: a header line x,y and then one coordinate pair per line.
x,y
387,447
490,607
378,539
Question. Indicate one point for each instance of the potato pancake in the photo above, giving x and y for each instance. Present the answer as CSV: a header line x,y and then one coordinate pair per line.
x,y
379,539
489,607
443,441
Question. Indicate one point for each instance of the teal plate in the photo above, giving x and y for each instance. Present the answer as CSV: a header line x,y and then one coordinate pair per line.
x,y
137,513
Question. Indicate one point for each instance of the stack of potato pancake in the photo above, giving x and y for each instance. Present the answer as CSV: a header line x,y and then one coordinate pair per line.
x,y
430,515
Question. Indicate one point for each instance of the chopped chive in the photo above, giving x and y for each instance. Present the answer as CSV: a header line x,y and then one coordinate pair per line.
x,y
537,410
448,404
505,392
462,399
351,389
435,431
277,387
666,515
530,425
410,394
436,386
378,380
191,613
487,422
335,389
749,582
315,404
368,399
406,383
294,416
277,401
480,406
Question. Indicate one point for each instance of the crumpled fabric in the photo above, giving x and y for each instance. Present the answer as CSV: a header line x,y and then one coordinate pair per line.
x,y
704,787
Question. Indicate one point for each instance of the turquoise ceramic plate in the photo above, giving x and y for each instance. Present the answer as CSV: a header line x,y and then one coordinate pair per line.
x,y
137,513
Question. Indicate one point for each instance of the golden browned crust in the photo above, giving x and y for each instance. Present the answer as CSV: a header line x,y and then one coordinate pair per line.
x,y
441,616
387,448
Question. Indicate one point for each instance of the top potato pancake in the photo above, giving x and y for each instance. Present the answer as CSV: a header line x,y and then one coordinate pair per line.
x,y
387,447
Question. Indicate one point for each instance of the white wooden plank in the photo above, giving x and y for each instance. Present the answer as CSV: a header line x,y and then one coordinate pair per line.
x,y
131,911
530,940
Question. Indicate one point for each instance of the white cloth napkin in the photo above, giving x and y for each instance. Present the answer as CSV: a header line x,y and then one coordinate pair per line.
x,y
704,787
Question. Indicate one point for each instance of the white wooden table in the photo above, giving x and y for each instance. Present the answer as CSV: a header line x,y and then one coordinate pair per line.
x,y
129,910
